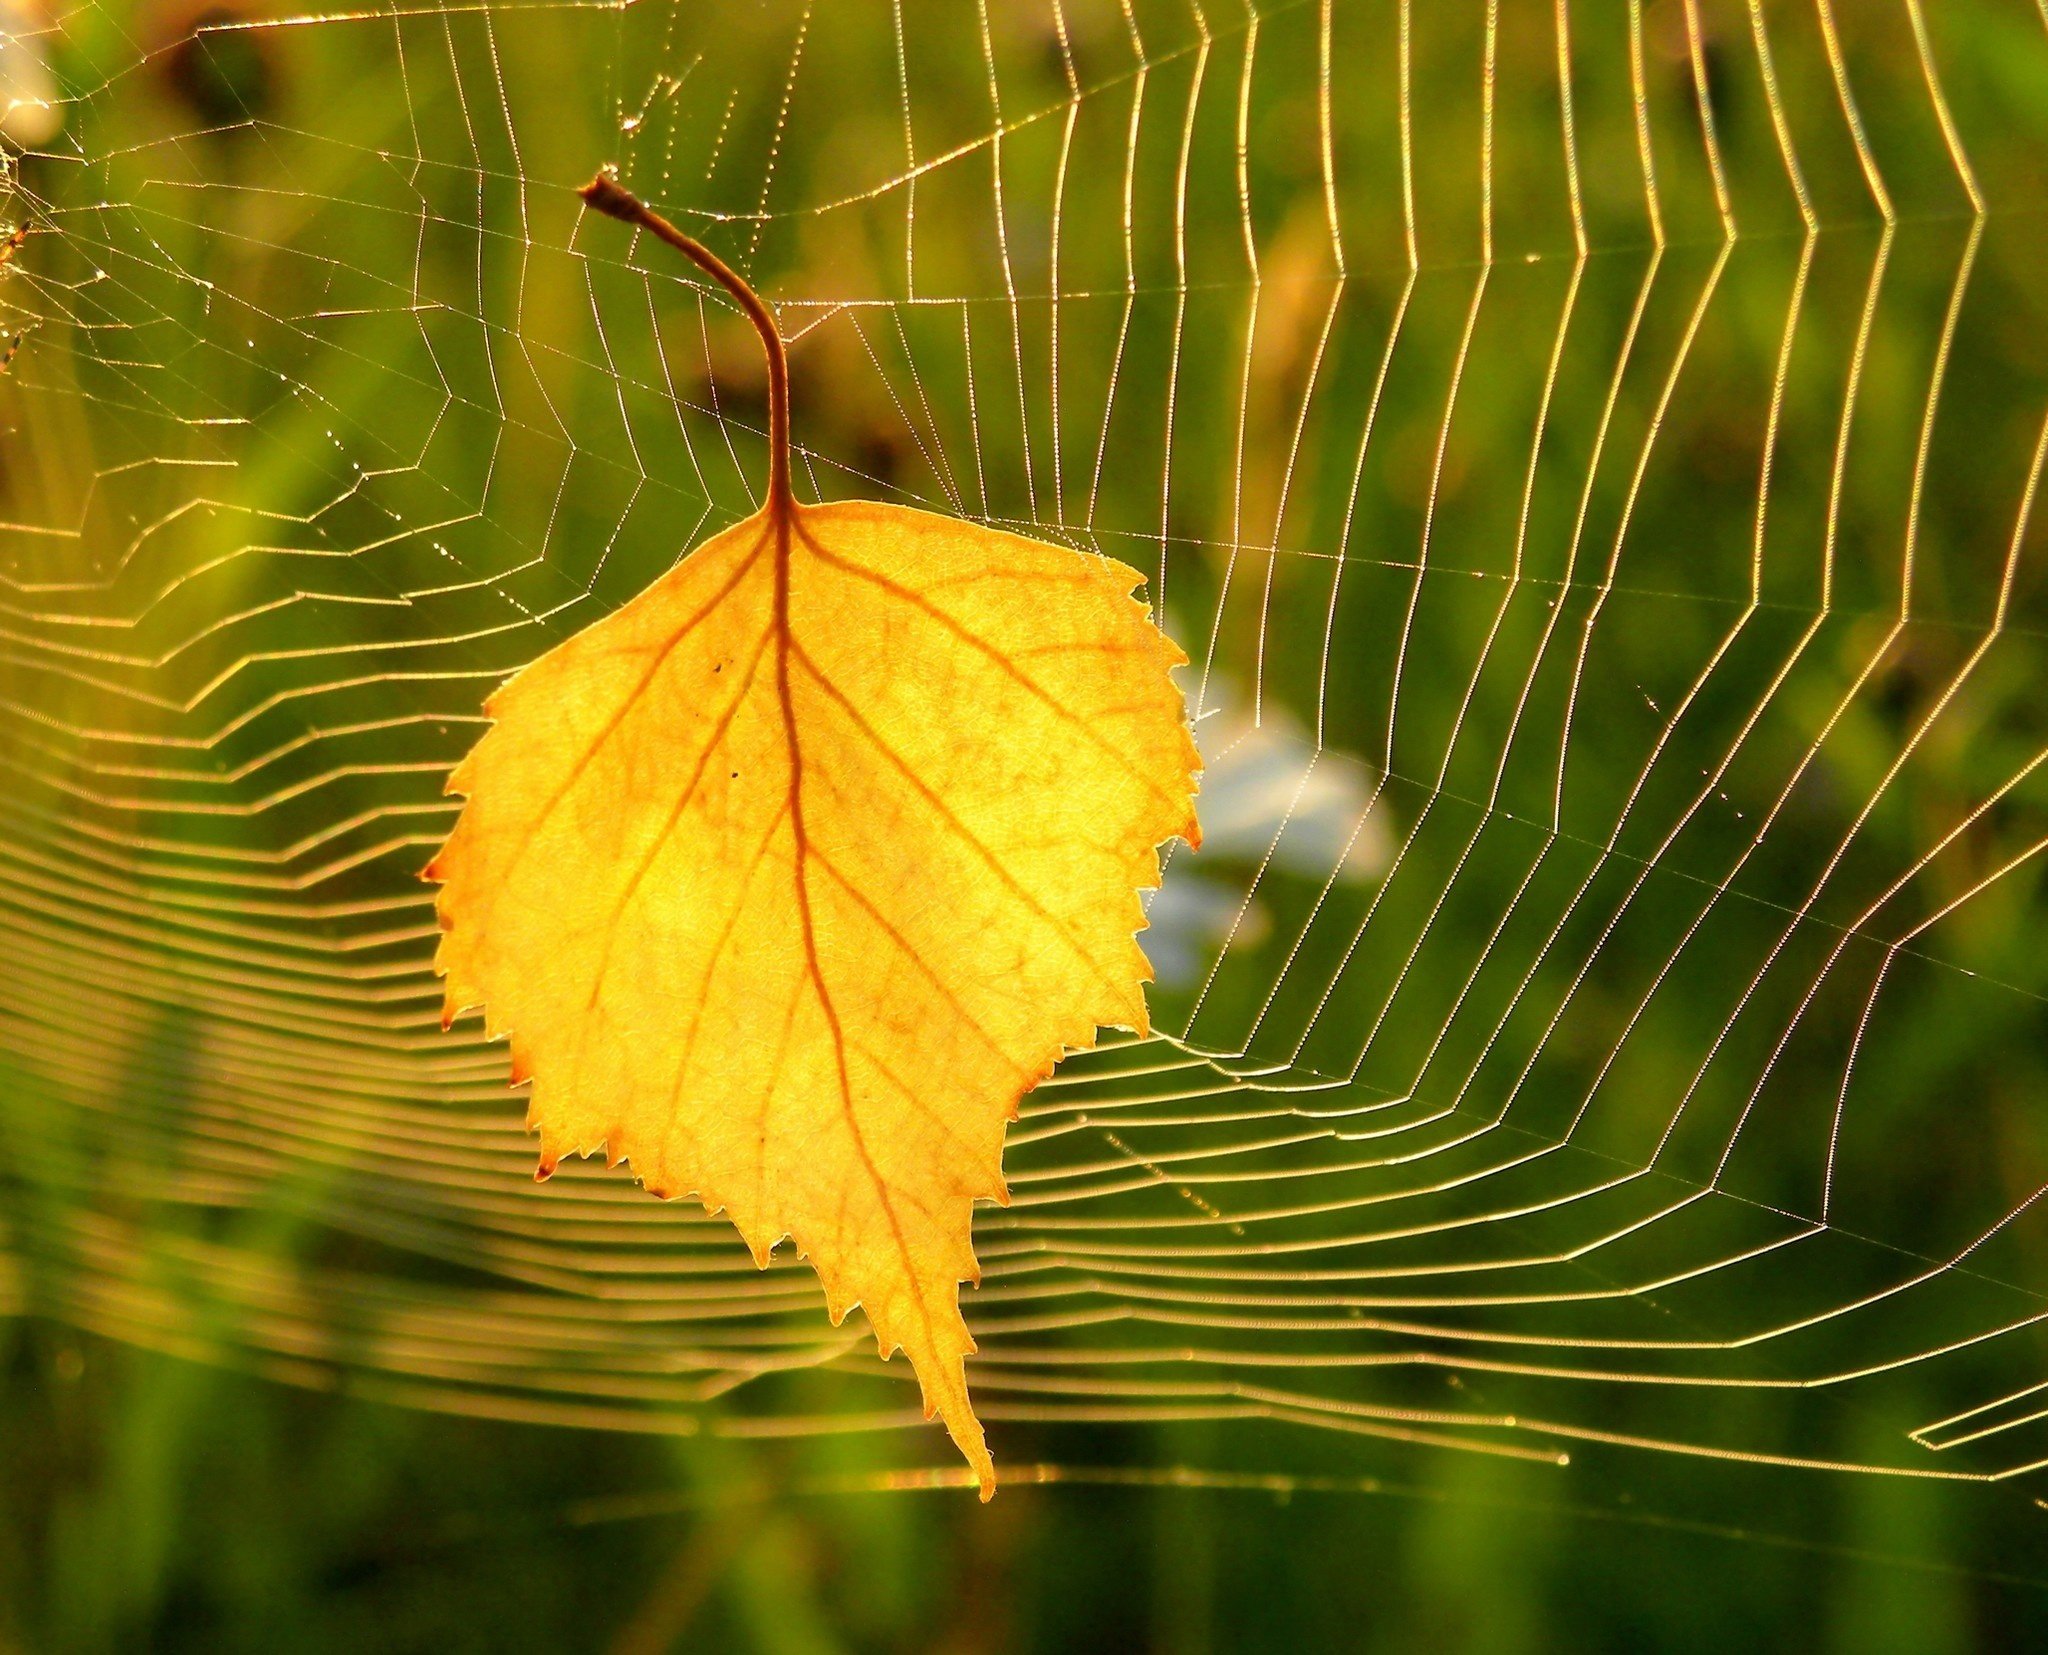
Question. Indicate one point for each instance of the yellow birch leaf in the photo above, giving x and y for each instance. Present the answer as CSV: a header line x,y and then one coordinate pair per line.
x,y
788,879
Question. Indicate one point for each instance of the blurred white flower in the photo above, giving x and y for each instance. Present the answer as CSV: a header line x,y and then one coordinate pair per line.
x,y
1267,796
31,107
1185,920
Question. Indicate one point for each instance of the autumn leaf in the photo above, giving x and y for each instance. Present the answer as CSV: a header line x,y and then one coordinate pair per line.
x,y
788,879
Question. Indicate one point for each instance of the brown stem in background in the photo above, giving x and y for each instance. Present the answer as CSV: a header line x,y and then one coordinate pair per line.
x,y
607,195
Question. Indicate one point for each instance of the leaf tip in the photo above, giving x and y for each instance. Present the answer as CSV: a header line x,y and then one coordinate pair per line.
x,y
973,1445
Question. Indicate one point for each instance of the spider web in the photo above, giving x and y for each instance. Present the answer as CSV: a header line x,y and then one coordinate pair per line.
x,y
1609,1015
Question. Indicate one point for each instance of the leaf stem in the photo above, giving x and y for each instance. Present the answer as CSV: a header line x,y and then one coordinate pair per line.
x,y
605,194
